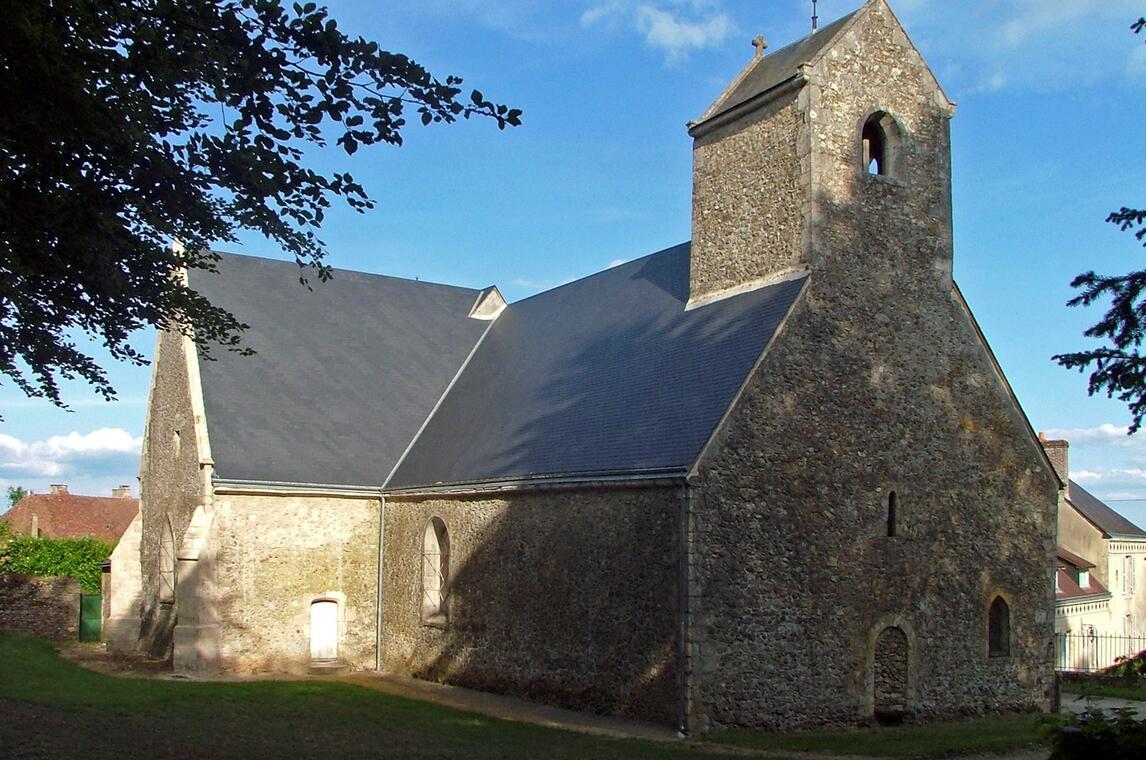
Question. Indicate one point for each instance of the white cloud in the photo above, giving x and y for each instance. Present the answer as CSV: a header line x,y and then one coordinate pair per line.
x,y
1105,433
616,263
102,450
1134,474
1032,18
678,36
676,27
1085,476
603,13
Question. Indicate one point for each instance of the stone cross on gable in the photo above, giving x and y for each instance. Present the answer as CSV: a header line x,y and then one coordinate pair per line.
x,y
760,45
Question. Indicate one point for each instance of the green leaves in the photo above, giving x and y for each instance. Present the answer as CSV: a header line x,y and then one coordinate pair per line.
x,y
1119,371
153,121
73,558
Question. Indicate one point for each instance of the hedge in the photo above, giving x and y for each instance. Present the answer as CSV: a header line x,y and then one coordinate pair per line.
x,y
78,558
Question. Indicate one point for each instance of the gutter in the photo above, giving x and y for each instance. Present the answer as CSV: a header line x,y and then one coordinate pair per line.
x,y
1080,599
379,595
649,479
274,487
684,614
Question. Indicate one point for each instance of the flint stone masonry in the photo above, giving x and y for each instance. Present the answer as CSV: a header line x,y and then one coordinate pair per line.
x,y
879,381
749,186
565,597
276,555
171,484
44,607
890,671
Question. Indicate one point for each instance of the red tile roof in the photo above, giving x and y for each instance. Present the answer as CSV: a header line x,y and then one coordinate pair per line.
x,y
1071,558
1067,588
68,515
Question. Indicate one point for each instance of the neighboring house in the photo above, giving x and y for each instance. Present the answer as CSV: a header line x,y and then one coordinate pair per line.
x,y
60,514
1100,546
772,477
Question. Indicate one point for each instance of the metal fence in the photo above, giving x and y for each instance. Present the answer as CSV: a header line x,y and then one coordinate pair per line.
x,y
1089,652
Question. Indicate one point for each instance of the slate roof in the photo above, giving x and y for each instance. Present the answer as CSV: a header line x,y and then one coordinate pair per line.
x,y
1104,518
609,375
69,515
343,375
603,376
776,68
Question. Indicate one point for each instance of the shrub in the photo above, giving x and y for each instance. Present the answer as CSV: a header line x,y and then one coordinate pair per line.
x,y
1128,668
1115,735
78,558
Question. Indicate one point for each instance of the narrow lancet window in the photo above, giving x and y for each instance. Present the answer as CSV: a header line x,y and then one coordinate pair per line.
x,y
435,572
999,628
892,516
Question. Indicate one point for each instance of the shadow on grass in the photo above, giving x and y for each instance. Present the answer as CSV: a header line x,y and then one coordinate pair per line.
x,y
53,708
961,737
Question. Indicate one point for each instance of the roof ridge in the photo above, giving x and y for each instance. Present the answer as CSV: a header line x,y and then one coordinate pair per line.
x,y
598,273
343,270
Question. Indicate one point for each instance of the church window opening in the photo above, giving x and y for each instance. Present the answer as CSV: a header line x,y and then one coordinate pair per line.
x,y
999,628
435,572
324,630
892,514
166,563
881,142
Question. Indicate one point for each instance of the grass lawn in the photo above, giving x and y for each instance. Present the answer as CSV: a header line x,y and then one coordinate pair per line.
x,y
51,708
1098,689
980,735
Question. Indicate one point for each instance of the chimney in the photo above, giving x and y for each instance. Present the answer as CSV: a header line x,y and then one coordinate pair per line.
x,y
58,488
1057,451
123,492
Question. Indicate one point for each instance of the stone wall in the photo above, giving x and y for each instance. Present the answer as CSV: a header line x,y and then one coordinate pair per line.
x,y
879,382
122,590
566,597
273,557
748,211
171,482
44,607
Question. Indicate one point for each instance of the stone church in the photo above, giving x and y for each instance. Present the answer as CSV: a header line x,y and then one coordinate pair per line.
x,y
773,477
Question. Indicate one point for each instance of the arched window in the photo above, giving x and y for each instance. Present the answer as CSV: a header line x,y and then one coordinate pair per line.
x,y
882,139
892,516
435,572
999,628
166,562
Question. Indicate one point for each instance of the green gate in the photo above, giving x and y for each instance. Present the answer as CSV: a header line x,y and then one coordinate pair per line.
x,y
91,616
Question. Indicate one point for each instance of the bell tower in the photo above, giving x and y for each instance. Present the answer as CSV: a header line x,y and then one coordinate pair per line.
x,y
833,149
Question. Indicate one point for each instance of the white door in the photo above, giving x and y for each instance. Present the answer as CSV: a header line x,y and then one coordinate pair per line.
x,y
324,630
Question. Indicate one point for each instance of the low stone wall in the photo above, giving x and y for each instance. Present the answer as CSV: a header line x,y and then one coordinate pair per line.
x,y
44,607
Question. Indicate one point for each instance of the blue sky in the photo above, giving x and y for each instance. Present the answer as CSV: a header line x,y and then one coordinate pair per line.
x,y
1047,140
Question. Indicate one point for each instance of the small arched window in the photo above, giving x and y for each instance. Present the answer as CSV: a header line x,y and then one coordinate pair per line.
x,y
999,628
166,562
892,514
882,139
435,572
